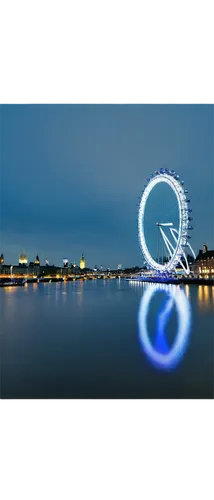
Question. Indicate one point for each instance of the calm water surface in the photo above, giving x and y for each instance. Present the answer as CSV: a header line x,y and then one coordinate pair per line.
x,y
107,339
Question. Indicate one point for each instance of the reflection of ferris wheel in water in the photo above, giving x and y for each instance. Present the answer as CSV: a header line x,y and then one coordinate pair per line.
x,y
160,354
176,242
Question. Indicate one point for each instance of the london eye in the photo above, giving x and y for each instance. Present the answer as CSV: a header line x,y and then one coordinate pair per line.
x,y
169,221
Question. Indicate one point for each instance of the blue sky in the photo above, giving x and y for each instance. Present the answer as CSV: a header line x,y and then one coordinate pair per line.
x,y
71,176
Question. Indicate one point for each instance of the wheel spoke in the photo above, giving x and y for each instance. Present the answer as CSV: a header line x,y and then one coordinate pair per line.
x,y
166,247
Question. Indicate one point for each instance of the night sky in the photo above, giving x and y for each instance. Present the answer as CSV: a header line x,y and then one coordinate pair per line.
x,y
71,176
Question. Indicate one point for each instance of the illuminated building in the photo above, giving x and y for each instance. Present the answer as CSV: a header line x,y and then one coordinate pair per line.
x,y
2,259
37,261
65,262
33,270
204,263
82,262
23,259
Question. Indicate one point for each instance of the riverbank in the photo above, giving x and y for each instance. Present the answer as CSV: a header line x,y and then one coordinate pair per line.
x,y
9,281
174,281
5,282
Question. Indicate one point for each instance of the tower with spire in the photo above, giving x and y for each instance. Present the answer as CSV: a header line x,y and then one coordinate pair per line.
x,y
37,261
82,262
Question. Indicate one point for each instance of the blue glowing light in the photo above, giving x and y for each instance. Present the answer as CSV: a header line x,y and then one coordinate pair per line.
x,y
160,354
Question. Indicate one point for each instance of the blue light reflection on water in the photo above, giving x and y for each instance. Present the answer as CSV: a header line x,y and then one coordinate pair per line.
x,y
81,340
160,354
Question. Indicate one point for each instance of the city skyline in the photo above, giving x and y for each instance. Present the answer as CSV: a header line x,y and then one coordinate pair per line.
x,y
72,175
24,259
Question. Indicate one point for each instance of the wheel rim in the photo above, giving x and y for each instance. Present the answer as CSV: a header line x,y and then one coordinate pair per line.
x,y
178,189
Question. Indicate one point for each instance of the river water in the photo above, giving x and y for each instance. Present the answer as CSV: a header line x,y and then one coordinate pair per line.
x,y
107,339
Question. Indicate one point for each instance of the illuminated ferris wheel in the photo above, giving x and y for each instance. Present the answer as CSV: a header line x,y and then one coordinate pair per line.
x,y
175,238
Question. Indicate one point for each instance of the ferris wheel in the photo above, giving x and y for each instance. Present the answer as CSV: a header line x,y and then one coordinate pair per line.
x,y
174,239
